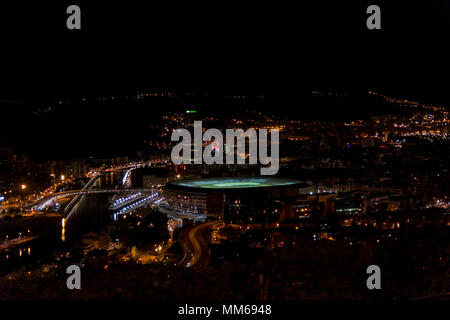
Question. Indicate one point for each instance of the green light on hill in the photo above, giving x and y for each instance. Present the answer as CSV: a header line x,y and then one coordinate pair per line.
x,y
191,111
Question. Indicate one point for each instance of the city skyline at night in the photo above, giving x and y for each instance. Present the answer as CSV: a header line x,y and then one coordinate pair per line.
x,y
213,160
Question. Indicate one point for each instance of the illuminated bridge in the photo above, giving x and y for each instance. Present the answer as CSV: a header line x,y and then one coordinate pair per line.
x,y
55,196
87,189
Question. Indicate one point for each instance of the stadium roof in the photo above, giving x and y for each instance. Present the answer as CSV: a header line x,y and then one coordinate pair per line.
x,y
236,183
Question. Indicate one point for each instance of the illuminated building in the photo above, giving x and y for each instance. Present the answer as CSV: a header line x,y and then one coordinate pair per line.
x,y
249,199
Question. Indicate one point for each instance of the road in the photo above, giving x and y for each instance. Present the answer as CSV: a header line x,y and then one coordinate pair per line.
x,y
195,248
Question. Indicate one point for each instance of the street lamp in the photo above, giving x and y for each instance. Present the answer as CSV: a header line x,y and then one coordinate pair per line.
x,y
23,187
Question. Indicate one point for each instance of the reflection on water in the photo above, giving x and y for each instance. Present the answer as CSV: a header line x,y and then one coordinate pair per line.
x,y
89,214
63,229
30,254
90,225
109,180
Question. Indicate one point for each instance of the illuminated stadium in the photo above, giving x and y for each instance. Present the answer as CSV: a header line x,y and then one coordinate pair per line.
x,y
245,198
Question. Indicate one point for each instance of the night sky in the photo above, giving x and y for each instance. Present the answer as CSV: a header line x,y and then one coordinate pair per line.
x,y
281,50
223,46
